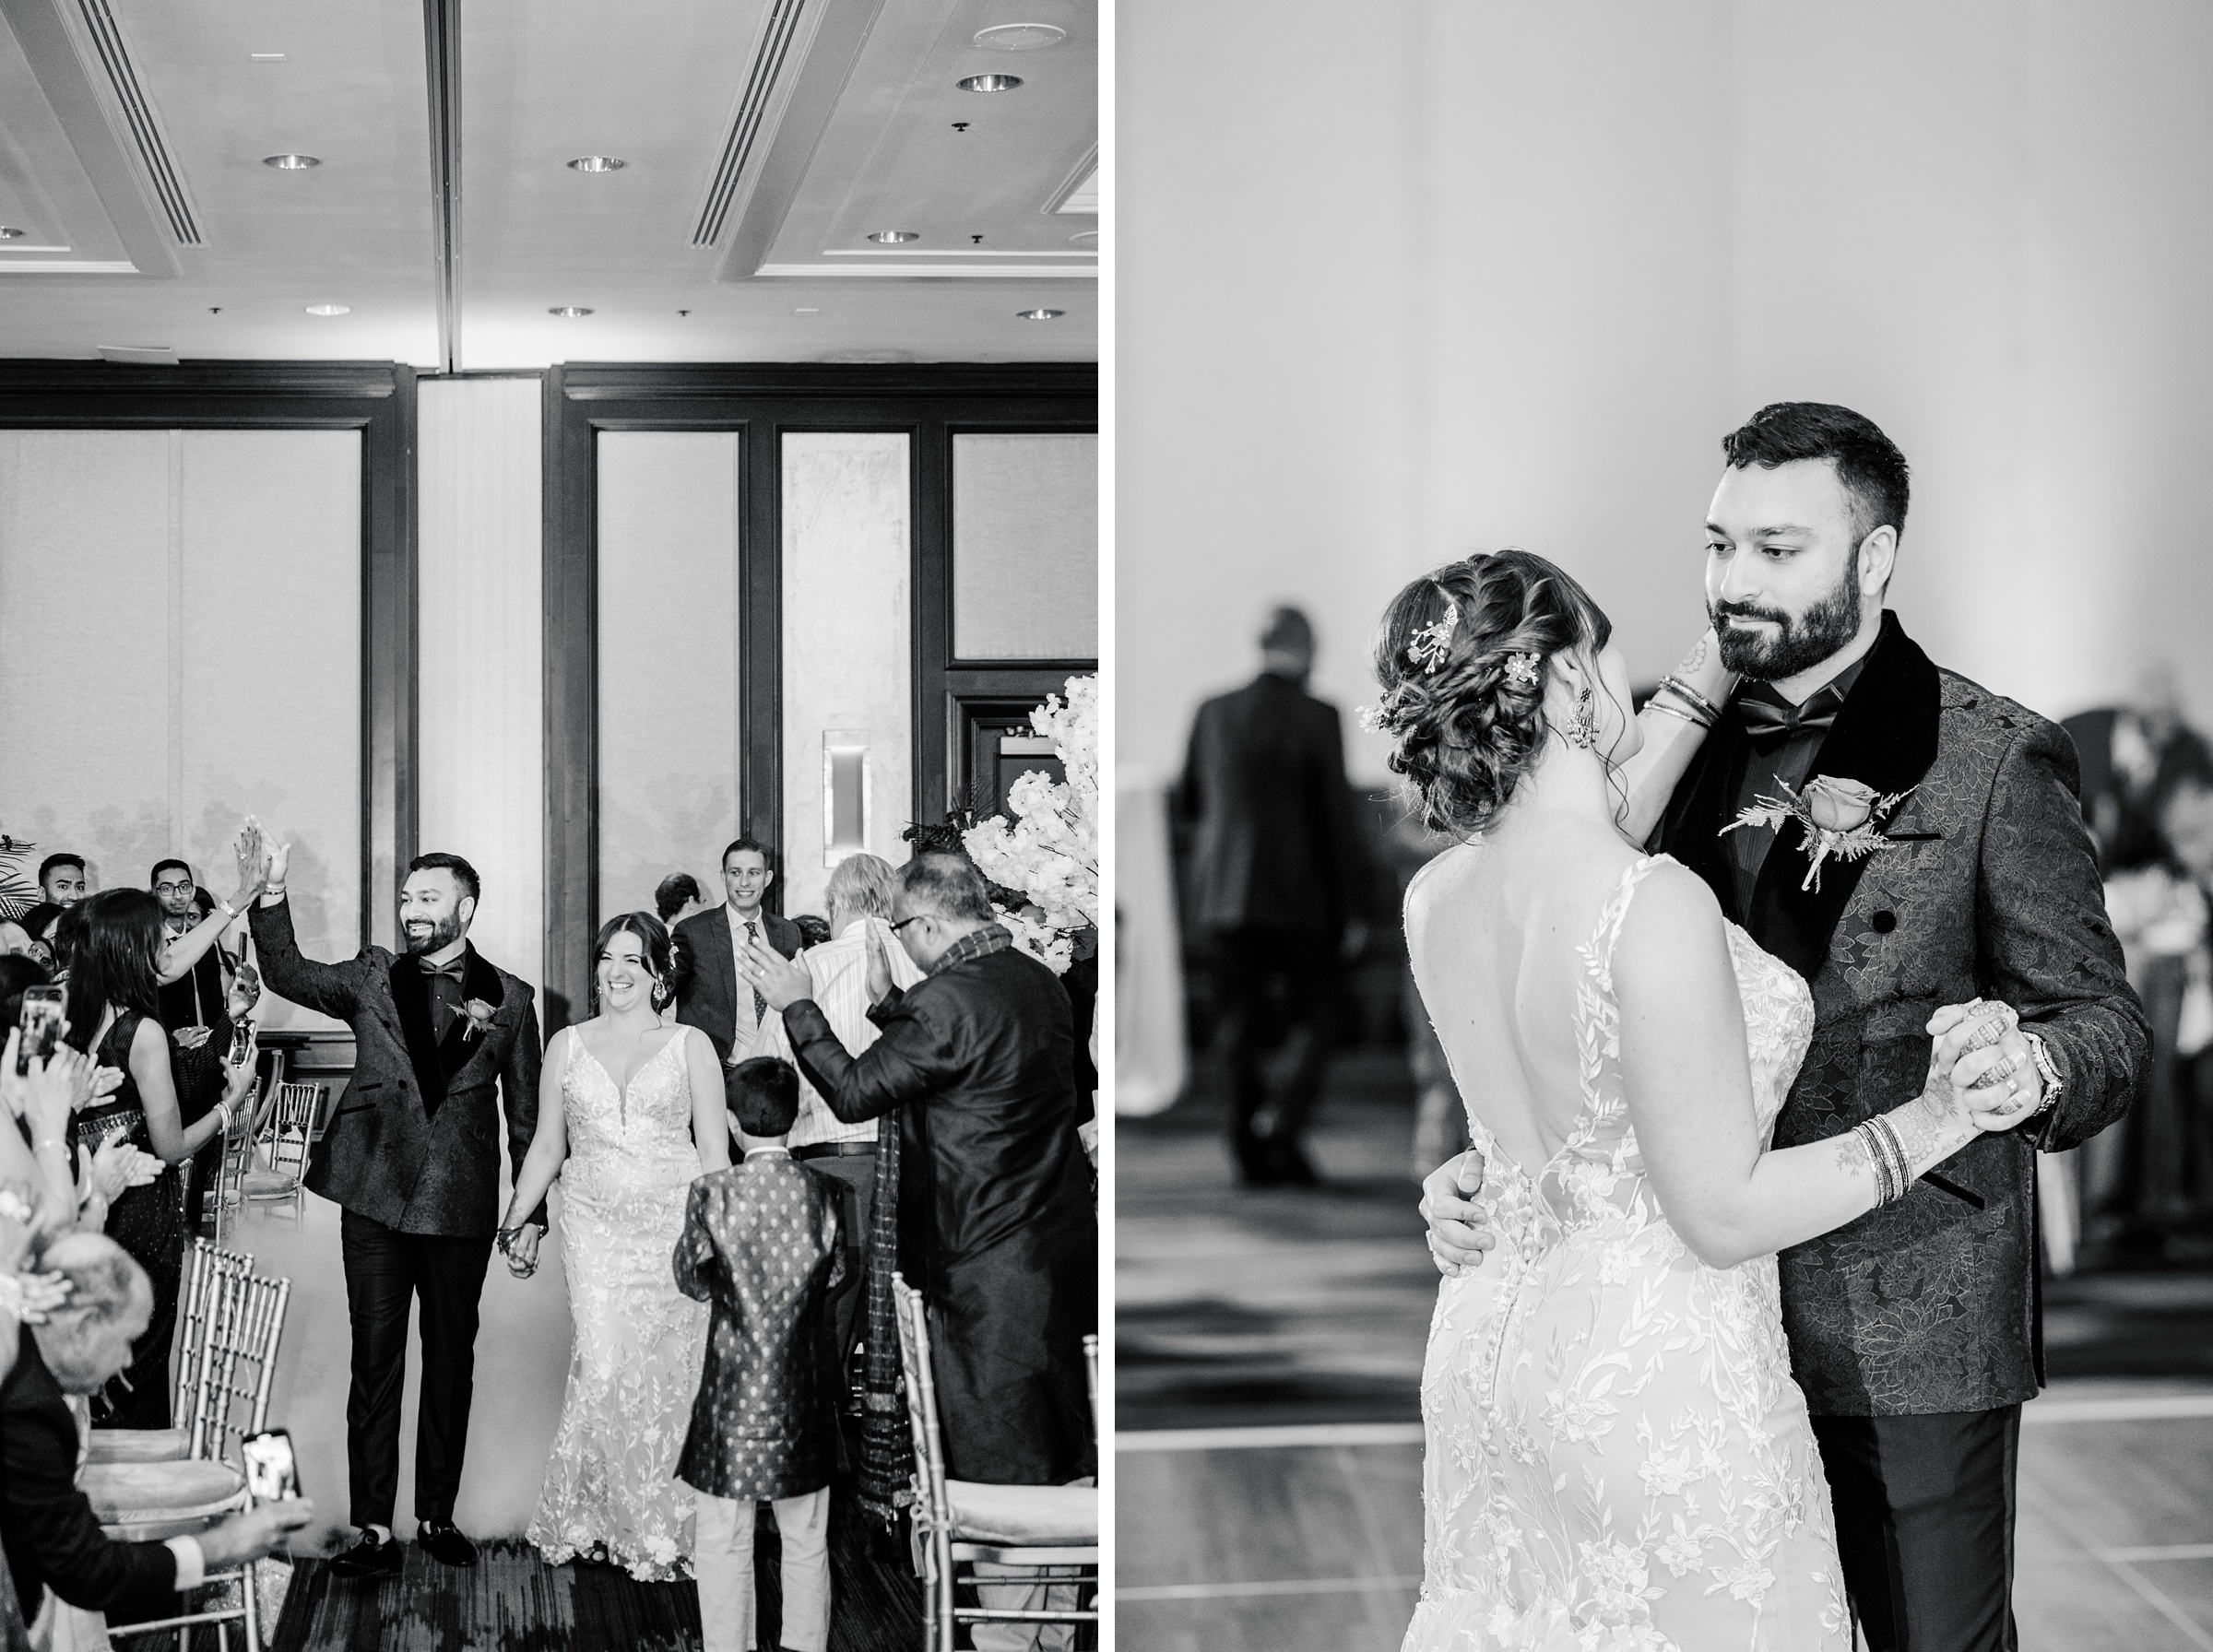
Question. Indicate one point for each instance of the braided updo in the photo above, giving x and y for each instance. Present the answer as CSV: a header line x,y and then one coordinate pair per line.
x,y
1467,723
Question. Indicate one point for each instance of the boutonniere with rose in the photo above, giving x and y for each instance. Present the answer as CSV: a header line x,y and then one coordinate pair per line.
x,y
1841,820
478,1014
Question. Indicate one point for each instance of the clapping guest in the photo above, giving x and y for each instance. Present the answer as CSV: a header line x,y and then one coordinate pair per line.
x,y
995,1217
199,975
52,1536
112,1007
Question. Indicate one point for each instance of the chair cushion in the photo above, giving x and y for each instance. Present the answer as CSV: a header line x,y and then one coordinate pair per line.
x,y
268,1184
140,1444
1026,1517
143,1493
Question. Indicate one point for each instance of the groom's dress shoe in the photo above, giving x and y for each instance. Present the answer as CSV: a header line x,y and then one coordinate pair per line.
x,y
444,1544
369,1557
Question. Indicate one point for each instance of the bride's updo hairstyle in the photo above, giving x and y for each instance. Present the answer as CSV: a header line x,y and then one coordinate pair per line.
x,y
1463,707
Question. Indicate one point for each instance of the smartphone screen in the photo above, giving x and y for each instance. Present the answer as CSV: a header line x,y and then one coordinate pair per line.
x,y
272,1473
242,1043
41,1025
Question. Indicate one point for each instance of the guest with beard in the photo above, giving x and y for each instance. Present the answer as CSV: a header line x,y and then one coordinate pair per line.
x,y
112,1015
201,977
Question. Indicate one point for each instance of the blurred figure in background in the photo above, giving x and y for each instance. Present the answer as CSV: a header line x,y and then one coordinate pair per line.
x,y
1273,866
2132,757
2149,1181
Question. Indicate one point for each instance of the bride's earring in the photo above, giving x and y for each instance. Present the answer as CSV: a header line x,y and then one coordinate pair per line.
x,y
1582,734
660,994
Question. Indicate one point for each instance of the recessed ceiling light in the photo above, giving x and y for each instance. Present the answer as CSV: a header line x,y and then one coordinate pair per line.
x,y
267,57
291,163
329,309
892,238
597,163
989,83
806,309
1020,37
1086,237
1039,314
9,232
569,311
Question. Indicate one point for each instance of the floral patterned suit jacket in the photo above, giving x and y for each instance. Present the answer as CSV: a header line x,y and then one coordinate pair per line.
x,y
1991,890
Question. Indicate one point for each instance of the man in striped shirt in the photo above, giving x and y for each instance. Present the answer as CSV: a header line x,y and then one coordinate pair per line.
x,y
859,893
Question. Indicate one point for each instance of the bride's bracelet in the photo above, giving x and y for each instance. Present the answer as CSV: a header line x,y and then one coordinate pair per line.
x,y
1886,1155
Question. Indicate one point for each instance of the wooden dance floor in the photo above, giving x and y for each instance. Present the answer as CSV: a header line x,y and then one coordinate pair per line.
x,y
1269,1348
512,1602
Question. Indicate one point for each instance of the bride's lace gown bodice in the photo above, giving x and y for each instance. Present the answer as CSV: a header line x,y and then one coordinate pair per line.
x,y
637,1341
1617,1457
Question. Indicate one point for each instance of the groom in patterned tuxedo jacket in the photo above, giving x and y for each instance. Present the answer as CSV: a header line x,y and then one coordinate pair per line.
x,y
444,1039
1915,1330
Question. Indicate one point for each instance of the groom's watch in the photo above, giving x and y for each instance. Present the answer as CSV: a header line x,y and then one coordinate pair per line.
x,y
2046,1070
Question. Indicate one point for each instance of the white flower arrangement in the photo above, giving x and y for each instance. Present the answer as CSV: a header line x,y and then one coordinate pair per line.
x,y
1049,852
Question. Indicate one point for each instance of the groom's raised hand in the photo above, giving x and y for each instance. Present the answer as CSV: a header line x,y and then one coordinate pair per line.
x,y
1456,1234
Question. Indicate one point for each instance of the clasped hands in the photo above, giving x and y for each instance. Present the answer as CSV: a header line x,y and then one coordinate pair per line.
x,y
1980,1054
519,1246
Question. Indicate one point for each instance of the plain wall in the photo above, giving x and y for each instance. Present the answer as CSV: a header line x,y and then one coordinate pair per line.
x,y
1452,276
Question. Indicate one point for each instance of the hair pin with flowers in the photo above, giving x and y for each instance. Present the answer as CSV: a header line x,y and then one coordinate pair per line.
x,y
1433,643
1524,669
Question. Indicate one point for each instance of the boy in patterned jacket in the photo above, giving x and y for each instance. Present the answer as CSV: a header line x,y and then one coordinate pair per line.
x,y
761,1245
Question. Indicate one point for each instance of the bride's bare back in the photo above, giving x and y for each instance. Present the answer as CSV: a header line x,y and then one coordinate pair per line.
x,y
1495,931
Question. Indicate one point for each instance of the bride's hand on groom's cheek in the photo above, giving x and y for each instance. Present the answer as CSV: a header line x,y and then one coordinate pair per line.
x,y
1457,1236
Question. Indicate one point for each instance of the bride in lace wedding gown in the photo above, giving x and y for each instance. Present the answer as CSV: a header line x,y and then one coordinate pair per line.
x,y
630,1113
1617,1457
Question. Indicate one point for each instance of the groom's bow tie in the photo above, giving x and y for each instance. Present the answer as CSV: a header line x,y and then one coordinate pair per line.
x,y
1771,719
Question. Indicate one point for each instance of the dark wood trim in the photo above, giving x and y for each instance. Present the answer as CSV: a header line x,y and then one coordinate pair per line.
x,y
376,398
762,402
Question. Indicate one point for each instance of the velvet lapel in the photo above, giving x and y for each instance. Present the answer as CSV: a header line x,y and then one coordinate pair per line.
x,y
1885,735
478,981
1694,837
411,997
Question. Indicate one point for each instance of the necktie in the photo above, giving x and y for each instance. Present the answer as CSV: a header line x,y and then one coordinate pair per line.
x,y
1772,721
752,933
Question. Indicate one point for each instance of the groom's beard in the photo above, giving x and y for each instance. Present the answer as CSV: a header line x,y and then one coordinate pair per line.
x,y
442,933
1800,640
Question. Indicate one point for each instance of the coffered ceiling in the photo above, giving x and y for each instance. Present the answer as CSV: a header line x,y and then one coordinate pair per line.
x,y
764,144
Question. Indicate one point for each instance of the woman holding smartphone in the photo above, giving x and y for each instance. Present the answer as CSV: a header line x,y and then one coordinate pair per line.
x,y
115,970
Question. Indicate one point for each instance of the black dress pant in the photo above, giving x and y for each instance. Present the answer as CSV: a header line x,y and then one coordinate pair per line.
x,y
1277,989
1924,1525
385,1269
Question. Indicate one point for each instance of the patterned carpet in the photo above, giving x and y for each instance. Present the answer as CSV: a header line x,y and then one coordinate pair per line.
x,y
512,1602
